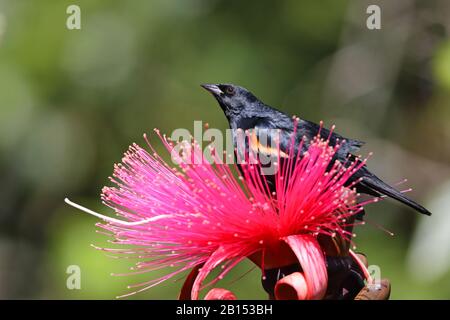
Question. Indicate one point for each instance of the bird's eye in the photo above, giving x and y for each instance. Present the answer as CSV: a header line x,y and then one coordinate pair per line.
x,y
229,90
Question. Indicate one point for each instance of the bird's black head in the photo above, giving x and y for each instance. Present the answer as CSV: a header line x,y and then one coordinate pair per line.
x,y
232,99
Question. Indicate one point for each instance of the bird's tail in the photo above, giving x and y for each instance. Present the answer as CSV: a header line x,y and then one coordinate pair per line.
x,y
374,183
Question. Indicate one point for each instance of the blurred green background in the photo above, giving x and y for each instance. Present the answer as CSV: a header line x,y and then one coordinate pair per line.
x,y
71,101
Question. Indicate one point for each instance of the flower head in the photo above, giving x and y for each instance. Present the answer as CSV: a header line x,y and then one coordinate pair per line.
x,y
205,215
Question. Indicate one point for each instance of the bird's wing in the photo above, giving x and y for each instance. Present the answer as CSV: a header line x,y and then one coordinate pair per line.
x,y
311,129
268,138
355,145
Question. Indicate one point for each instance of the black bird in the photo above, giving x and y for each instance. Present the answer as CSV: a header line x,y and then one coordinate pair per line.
x,y
245,111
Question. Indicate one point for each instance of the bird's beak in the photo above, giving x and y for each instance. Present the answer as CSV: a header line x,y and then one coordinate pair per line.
x,y
214,89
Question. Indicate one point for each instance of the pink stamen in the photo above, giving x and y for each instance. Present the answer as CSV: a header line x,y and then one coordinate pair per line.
x,y
178,217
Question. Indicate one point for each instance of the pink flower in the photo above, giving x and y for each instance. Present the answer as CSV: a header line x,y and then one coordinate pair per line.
x,y
200,216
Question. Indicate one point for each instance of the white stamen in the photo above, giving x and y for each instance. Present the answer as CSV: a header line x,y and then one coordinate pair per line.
x,y
113,220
